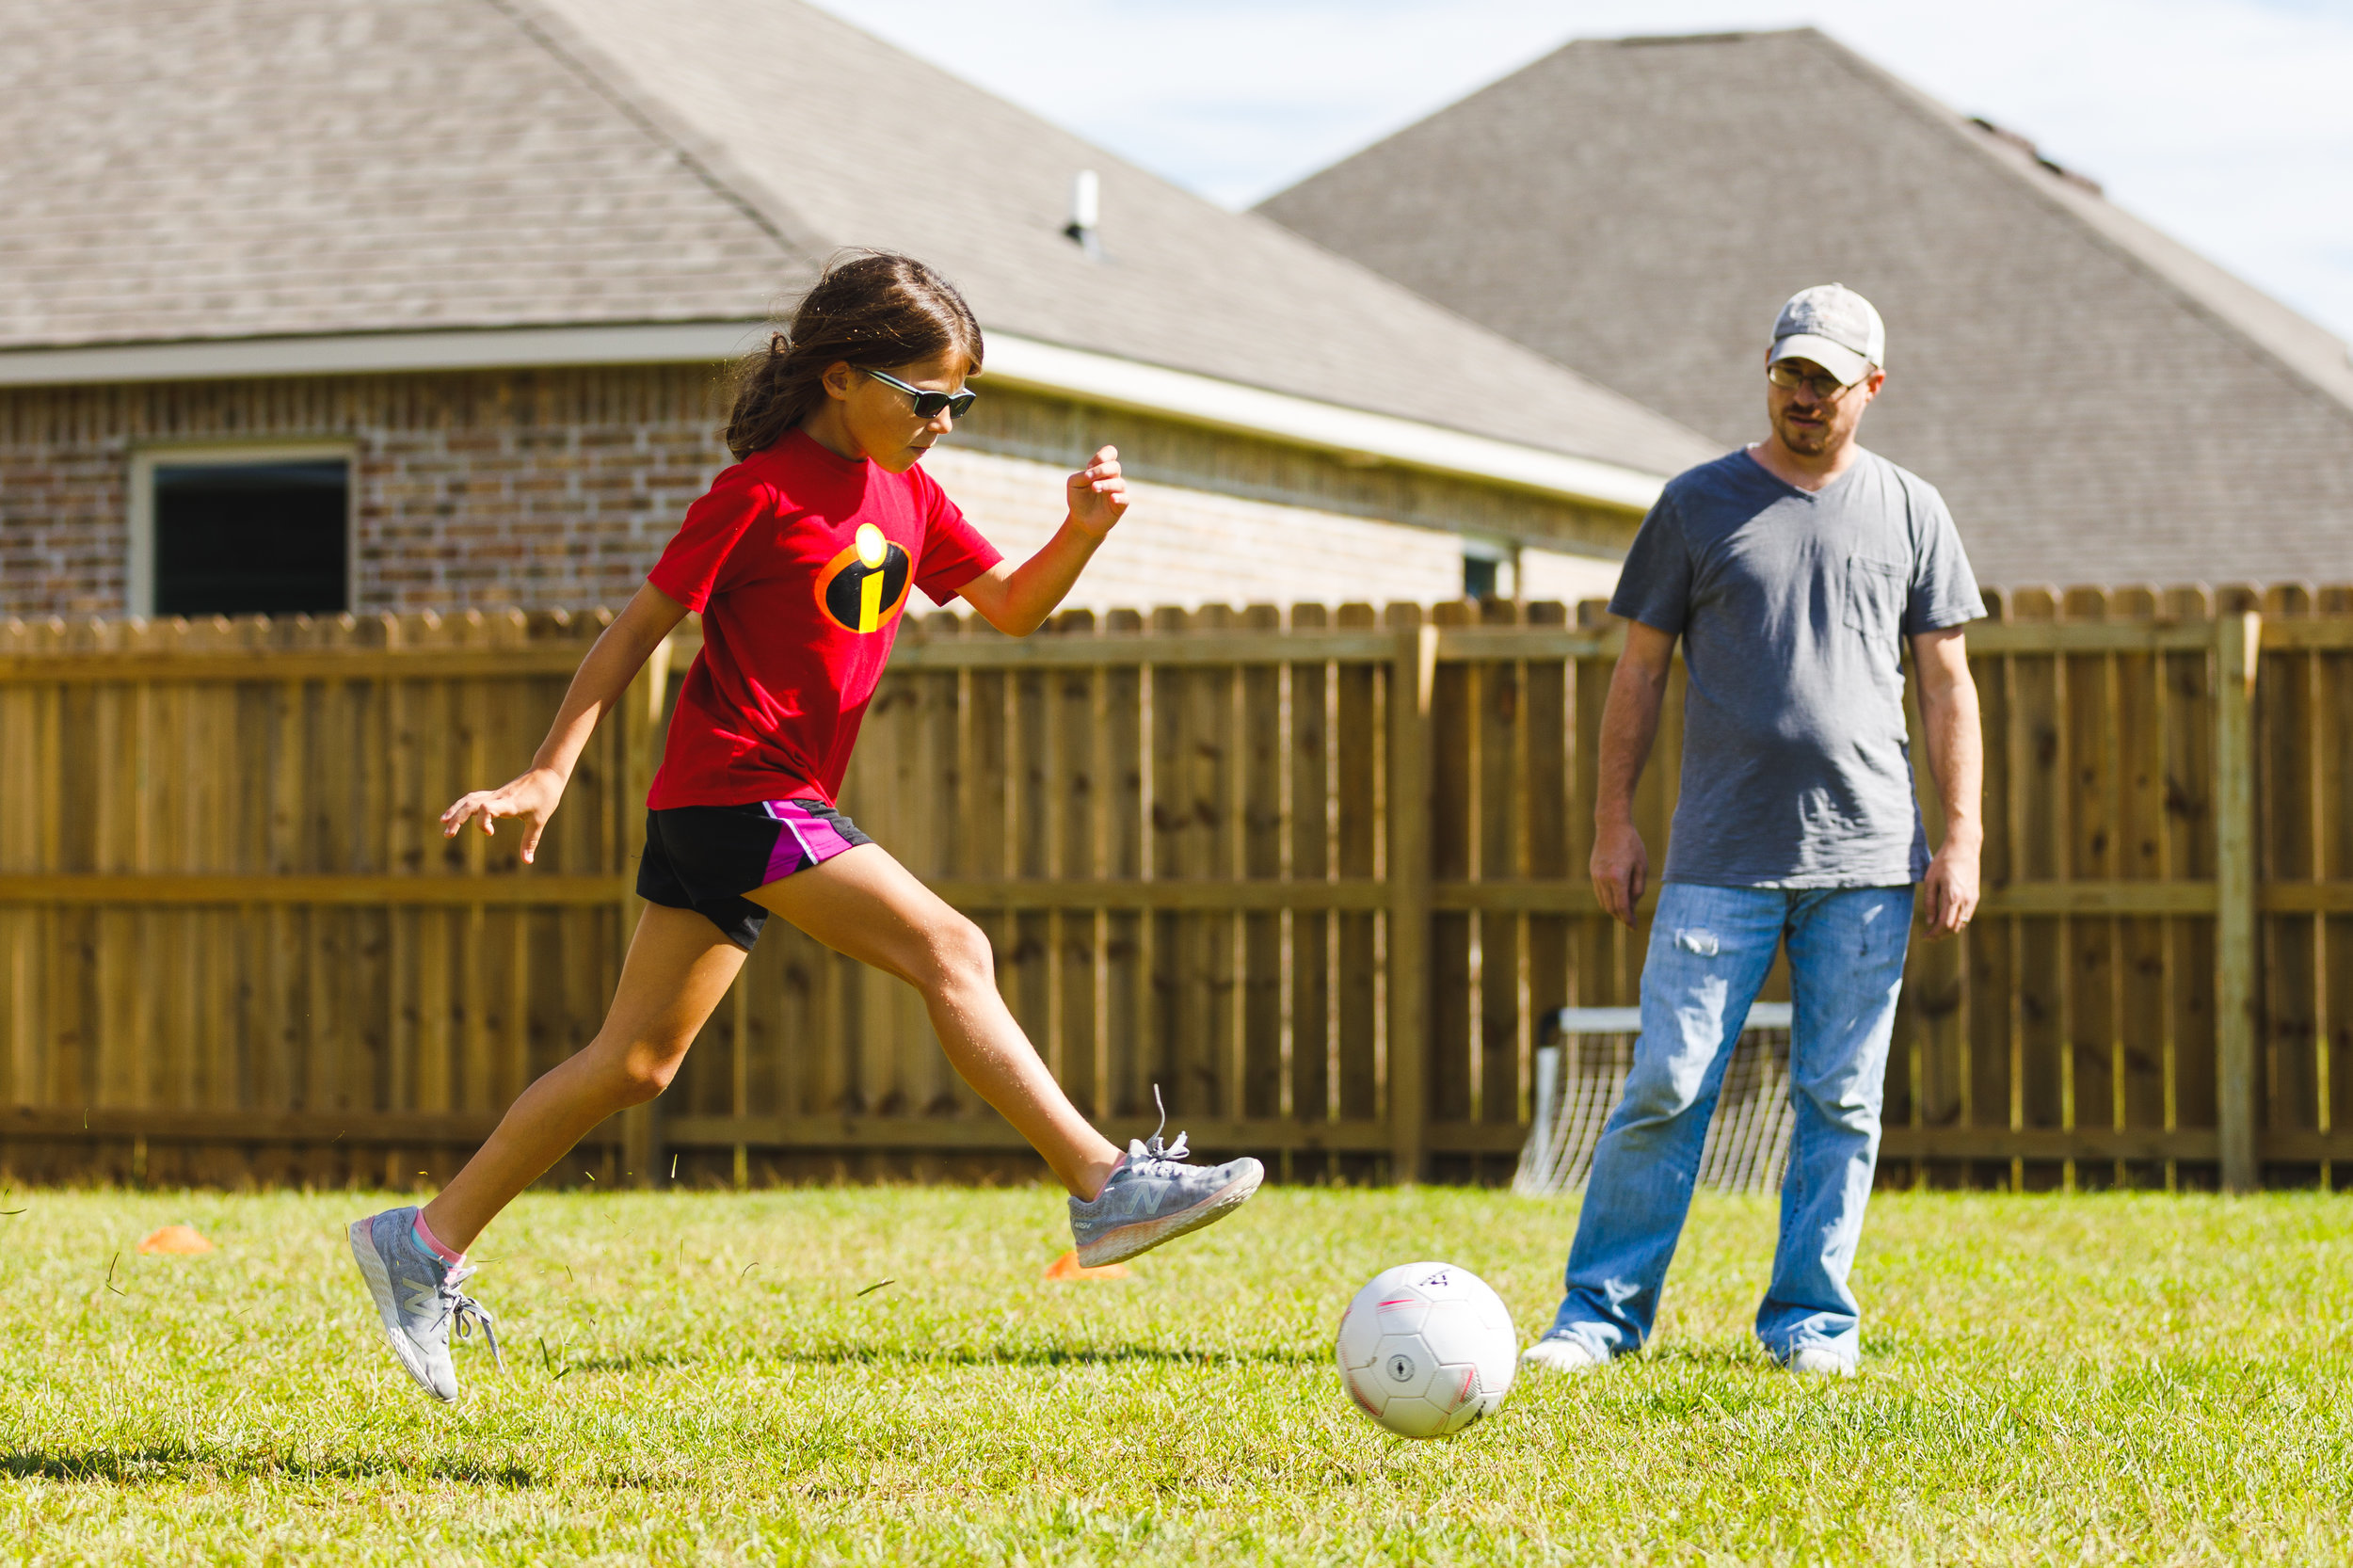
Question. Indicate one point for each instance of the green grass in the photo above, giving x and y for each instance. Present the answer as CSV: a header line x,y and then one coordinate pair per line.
x,y
2111,1379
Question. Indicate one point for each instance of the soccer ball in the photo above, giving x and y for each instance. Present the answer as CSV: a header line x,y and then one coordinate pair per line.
x,y
1427,1349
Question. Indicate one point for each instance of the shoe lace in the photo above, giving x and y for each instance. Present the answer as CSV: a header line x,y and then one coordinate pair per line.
x,y
1152,1151
465,1314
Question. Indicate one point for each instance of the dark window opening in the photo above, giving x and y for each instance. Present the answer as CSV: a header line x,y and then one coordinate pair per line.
x,y
1478,577
252,538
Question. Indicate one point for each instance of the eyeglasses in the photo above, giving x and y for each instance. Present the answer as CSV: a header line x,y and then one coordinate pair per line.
x,y
927,404
1823,385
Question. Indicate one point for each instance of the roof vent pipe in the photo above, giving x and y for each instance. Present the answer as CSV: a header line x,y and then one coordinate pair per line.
x,y
1086,209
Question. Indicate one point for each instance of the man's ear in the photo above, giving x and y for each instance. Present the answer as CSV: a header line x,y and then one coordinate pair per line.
x,y
837,380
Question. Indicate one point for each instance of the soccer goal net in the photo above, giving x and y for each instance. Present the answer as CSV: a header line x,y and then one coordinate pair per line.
x,y
1580,1073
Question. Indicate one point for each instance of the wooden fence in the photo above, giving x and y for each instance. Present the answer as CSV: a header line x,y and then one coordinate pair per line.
x,y
1318,875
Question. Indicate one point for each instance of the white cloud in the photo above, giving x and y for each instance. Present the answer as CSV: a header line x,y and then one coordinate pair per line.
x,y
2227,122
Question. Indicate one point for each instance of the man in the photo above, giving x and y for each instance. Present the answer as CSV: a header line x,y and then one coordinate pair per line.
x,y
1794,571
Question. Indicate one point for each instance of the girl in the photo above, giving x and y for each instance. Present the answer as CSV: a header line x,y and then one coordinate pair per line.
x,y
799,561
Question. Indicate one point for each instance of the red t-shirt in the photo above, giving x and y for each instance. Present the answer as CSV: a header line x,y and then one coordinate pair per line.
x,y
799,562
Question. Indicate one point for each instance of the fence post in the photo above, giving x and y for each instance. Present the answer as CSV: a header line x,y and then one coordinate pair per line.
x,y
1412,677
2238,640
640,721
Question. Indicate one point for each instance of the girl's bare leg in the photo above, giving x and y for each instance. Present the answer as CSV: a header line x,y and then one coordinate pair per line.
x,y
679,967
864,903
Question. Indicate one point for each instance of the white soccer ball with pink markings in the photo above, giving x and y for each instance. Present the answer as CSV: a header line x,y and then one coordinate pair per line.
x,y
1427,1349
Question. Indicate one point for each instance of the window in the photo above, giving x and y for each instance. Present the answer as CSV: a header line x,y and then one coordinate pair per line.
x,y
1487,570
1478,577
239,531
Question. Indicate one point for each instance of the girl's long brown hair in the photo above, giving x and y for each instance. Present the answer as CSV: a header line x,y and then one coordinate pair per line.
x,y
869,308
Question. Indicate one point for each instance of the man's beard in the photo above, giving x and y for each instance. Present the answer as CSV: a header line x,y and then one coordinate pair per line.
x,y
1806,442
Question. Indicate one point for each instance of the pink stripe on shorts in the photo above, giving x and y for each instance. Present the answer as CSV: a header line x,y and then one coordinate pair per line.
x,y
807,839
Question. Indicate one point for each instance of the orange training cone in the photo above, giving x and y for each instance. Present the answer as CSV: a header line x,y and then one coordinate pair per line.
x,y
179,1239
1068,1267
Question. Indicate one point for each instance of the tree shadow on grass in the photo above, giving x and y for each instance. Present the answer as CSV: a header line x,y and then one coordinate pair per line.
x,y
173,1463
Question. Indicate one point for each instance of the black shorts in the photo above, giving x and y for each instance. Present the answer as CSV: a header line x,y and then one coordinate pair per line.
x,y
707,857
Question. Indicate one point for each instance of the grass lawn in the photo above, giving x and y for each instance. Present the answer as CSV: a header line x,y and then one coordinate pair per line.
x,y
2109,1379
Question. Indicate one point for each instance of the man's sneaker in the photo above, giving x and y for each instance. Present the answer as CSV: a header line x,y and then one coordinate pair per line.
x,y
417,1295
1818,1361
1562,1352
1154,1196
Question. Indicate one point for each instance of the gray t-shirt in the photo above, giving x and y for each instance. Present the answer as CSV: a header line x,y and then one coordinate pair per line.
x,y
1793,608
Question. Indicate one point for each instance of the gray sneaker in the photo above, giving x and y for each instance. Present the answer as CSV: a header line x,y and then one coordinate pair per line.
x,y
417,1296
1154,1196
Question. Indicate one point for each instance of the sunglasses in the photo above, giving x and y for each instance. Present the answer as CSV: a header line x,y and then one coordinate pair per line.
x,y
927,404
1823,385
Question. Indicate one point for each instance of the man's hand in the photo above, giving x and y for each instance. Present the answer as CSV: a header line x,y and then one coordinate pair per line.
x,y
1949,895
532,796
1099,495
1620,870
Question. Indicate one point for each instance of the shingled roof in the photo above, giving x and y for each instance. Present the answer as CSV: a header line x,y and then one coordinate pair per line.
x,y
2099,403
182,170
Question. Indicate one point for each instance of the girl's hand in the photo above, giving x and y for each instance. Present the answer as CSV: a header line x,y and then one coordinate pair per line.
x,y
532,797
1098,494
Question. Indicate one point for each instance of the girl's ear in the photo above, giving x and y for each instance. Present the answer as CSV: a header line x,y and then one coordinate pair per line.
x,y
837,381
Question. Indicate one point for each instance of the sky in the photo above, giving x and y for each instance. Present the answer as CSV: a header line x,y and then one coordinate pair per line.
x,y
2228,123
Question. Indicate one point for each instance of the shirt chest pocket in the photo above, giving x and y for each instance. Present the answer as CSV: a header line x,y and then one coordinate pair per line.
x,y
1876,591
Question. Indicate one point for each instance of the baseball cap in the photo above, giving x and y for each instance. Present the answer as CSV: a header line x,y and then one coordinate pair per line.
x,y
1835,327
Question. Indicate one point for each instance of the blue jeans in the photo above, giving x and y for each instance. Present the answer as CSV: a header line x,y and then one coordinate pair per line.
x,y
1709,951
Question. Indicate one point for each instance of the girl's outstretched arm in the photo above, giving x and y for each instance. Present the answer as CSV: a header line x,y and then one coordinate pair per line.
x,y
602,677
1016,600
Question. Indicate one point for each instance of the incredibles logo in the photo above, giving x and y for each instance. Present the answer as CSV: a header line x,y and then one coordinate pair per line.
x,y
863,588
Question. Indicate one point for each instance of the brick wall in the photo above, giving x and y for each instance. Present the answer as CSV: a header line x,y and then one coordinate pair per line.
x,y
1191,547
524,487
559,488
